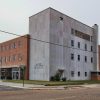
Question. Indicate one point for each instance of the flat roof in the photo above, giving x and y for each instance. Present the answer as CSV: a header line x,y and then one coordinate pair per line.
x,y
62,14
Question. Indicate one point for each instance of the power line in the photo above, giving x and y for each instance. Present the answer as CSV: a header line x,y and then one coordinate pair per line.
x,y
44,41
9,33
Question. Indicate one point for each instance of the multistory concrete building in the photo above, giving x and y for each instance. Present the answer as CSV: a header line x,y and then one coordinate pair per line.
x,y
56,44
13,55
99,56
61,44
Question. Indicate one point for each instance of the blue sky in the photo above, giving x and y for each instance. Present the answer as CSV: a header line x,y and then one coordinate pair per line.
x,y
14,14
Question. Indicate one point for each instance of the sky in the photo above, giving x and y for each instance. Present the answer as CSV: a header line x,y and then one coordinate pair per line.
x,y
14,14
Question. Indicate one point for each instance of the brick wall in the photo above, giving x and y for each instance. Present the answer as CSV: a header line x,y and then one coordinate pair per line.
x,y
14,53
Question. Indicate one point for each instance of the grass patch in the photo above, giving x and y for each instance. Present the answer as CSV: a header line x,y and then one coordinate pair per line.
x,y
54,83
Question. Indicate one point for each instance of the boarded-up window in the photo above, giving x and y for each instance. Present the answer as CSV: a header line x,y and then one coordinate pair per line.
x,y
82,35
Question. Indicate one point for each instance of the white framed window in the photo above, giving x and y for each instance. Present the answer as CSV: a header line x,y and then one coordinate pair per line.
x,y
72,73
72,31
78,57
72,43
85,74
85,46
91,48
78,44
91,59
85,59
79,74
72,56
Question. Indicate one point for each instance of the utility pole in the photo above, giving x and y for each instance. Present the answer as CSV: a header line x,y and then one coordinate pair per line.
x,y
1,69
0,73
23,72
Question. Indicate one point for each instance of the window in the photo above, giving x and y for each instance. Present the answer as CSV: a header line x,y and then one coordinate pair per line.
x,y
14,45
78,44
91,48
0,60
1,48
19,43
91,59
78,74
13,57
72,42
72,31
11,46
72,56
7,47
85,58
85,74
82,35
9,58
85,46
78,57
72,73
91,38
4,59
20,57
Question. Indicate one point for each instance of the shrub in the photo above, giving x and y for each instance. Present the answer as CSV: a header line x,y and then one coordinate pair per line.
x,y
52,78
57,77
64,79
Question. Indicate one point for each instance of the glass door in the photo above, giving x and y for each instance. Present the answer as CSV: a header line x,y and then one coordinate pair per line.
x,y
15,75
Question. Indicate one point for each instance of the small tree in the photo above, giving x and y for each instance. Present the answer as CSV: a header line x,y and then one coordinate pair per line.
x,y
23,72
57,77
64,79
52,78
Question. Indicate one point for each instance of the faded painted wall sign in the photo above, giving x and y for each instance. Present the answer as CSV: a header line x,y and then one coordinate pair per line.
x,y
38,66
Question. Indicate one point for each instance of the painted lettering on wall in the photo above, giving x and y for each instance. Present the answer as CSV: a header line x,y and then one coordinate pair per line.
x,y
38,66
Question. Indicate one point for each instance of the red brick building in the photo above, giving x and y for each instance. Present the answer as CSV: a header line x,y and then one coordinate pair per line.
x,y
13,54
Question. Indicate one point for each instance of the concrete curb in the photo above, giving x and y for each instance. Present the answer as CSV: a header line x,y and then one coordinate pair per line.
x,y
47,88
34,87
42,87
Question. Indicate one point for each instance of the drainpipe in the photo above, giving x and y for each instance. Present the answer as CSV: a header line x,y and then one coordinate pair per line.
x,y
96,36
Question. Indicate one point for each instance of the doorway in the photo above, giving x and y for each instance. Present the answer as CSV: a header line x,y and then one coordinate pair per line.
x,y
15,75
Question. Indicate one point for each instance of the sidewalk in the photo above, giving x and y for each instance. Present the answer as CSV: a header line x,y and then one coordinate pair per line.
x,y
30,86
42,87
20,85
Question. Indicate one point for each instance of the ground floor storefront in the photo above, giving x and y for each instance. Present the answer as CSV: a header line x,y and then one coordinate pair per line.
x,y
11,73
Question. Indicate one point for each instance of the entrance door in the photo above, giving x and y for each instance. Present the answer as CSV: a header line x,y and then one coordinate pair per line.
x,y
15,75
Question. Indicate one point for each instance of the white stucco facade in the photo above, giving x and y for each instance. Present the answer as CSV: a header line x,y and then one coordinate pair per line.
x,y
51,48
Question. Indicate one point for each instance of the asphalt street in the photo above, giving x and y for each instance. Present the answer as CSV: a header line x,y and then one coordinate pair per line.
x,y
8,93
7,88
